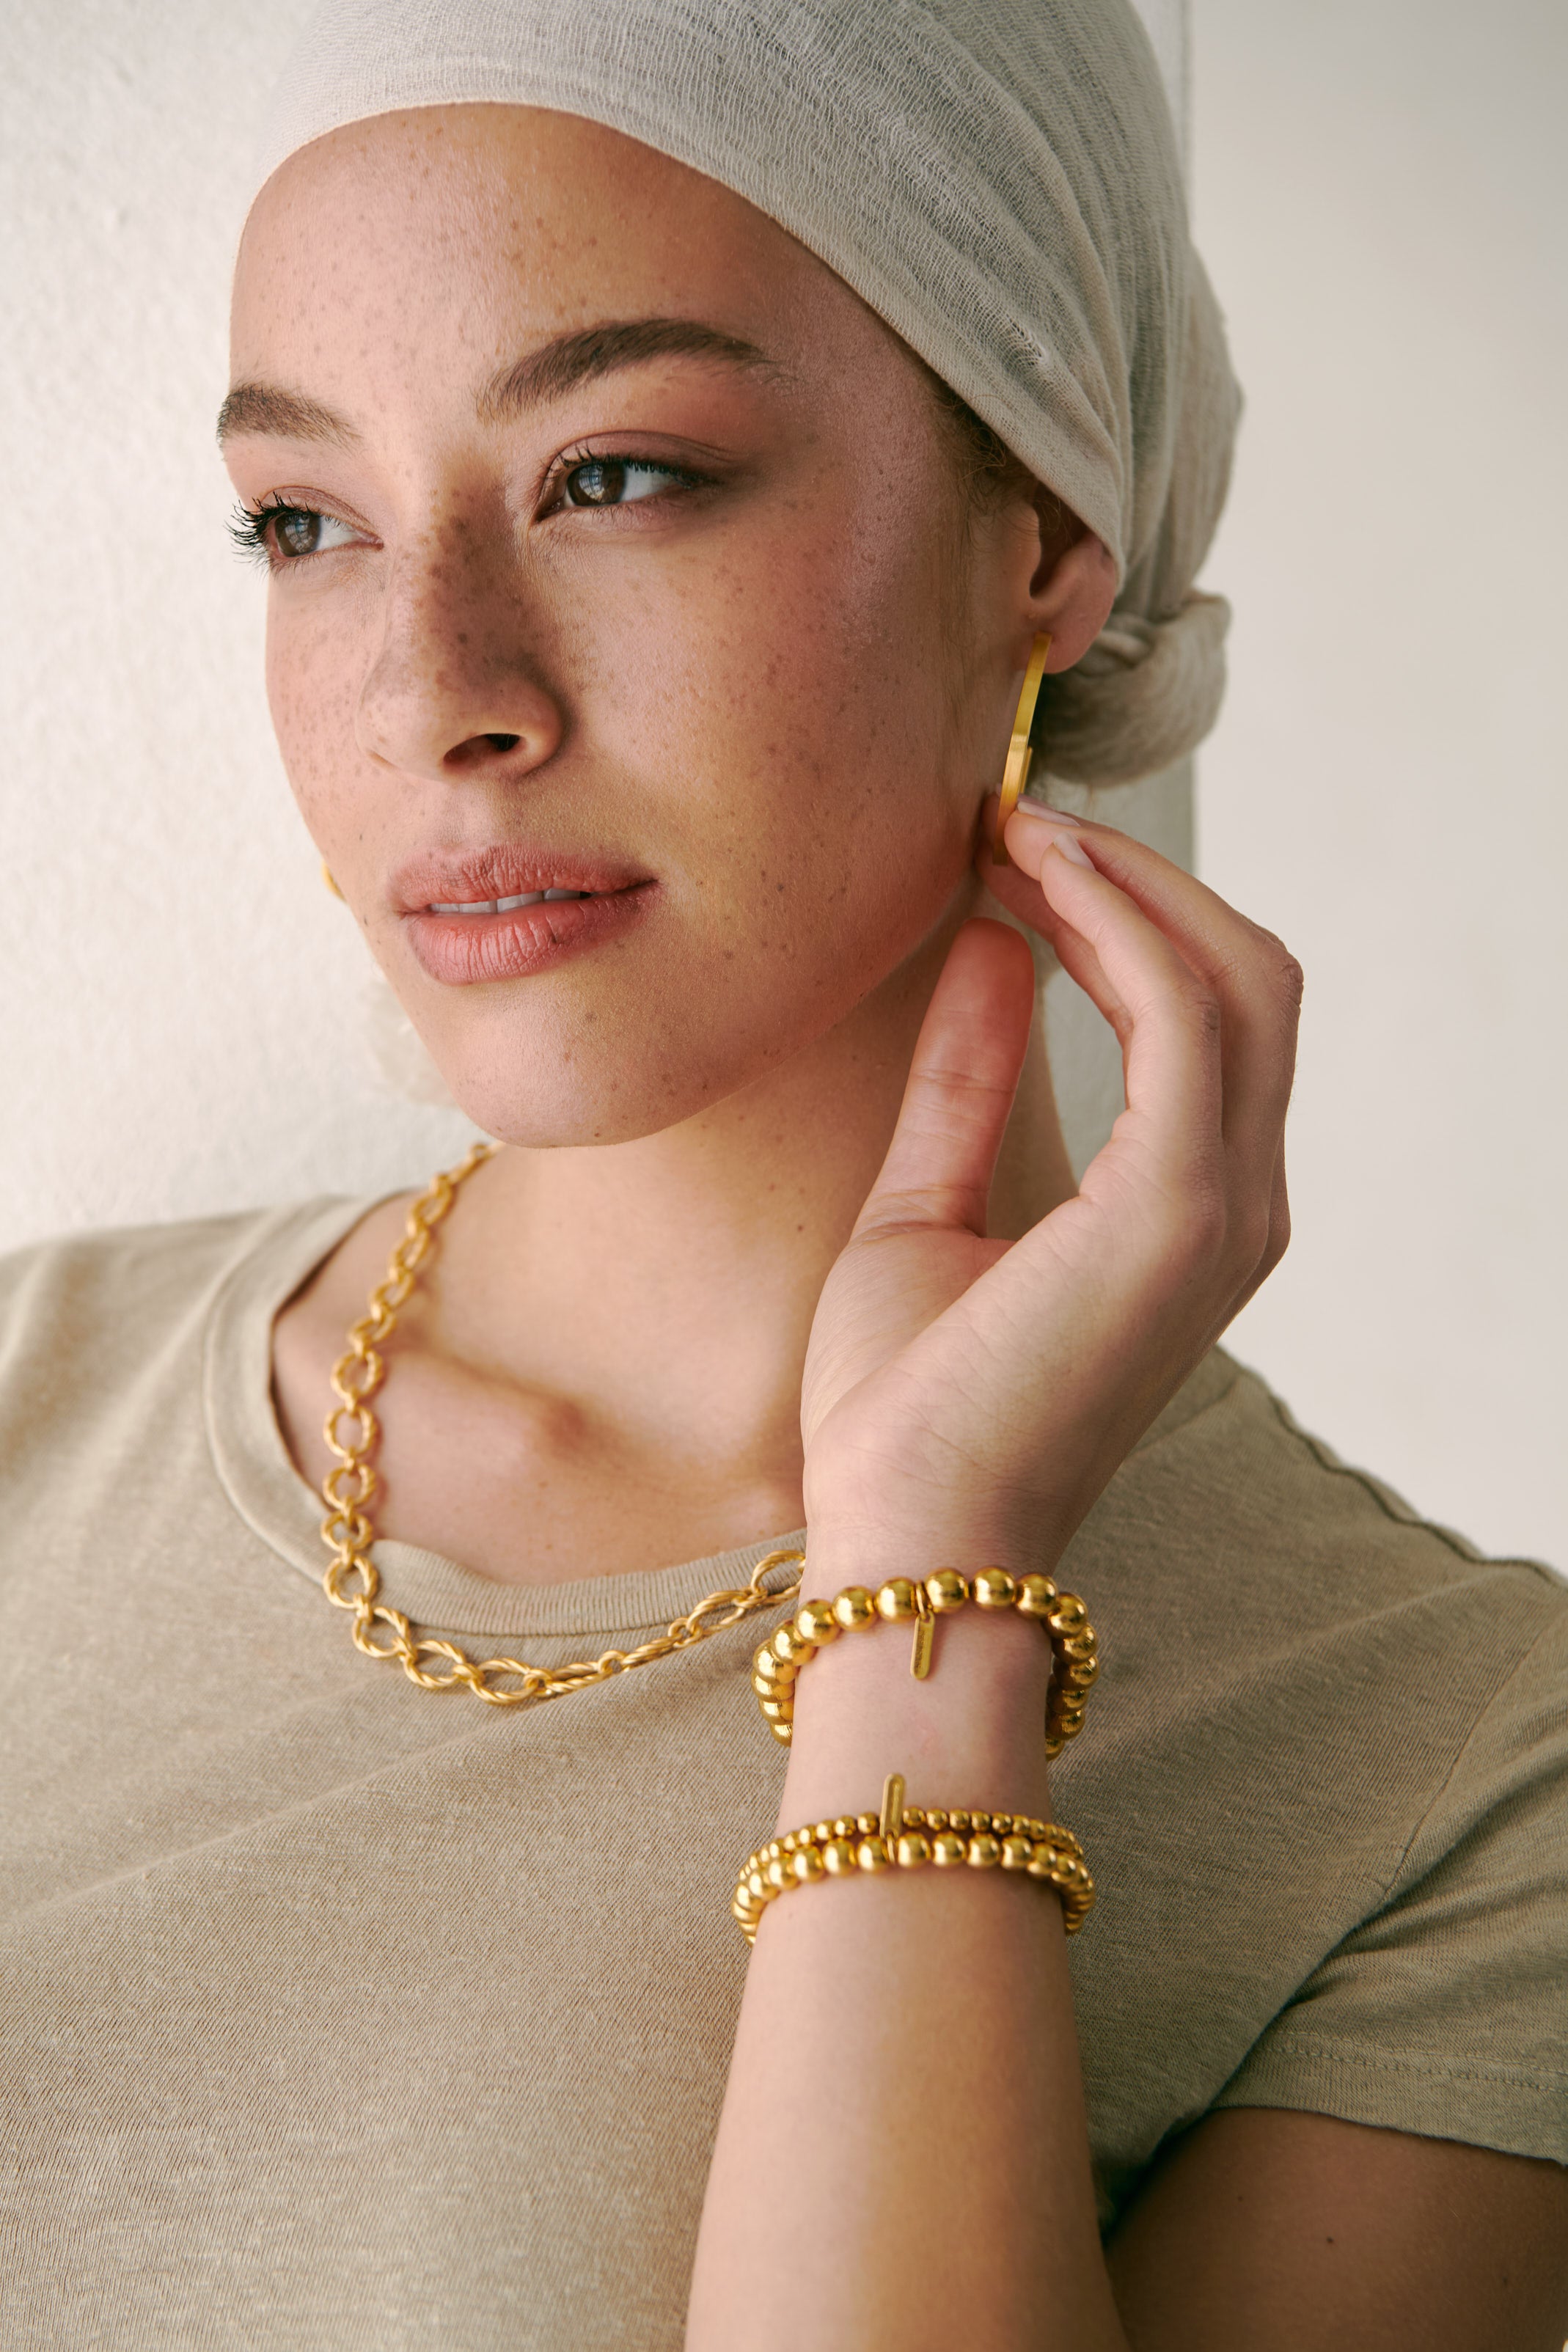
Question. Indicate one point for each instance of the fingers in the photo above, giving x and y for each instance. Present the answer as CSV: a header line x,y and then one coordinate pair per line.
x,y
961,1082
1255,983
1166,1020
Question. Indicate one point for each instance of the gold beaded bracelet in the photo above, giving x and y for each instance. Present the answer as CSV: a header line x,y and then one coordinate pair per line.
x,y
906,1838
1074,1665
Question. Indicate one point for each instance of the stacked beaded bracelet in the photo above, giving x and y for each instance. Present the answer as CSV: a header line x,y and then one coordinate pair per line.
x,y
1075,1663
906,1838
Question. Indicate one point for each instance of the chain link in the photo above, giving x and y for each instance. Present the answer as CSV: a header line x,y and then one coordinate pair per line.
x,y
351,1579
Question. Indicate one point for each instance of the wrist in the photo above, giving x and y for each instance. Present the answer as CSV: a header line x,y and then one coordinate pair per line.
x,y
848,1549
971,1733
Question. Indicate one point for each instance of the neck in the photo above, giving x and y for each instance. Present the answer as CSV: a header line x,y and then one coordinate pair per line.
x,y
663,1289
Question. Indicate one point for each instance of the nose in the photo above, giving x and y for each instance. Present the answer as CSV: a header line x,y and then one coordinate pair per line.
x,y
455,689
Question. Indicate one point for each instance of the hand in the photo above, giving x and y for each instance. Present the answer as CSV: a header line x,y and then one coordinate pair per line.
x,y
966,1400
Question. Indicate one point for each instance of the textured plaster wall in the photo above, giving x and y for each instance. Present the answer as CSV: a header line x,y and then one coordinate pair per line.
x,y
184,1025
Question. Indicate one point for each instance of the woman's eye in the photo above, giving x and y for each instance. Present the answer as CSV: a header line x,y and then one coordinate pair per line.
x,y
616,482
300,530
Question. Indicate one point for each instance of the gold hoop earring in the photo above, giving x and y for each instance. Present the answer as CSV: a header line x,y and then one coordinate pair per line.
x,y
327,879
1020,750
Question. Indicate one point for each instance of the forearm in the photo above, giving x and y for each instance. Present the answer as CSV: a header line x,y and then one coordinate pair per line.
x,y
903,2160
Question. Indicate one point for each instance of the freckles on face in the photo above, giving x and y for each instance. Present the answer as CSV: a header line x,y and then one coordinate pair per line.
x,y
610,538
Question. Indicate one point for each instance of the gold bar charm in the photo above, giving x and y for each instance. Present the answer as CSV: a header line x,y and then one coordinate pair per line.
x,y
925,1635
892,1806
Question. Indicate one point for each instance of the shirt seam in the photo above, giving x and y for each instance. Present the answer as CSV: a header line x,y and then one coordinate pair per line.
x,y
1403,2063
1483,1714
1403,1515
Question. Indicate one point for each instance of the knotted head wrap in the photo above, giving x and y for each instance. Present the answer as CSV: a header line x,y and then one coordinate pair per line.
x,y
998,179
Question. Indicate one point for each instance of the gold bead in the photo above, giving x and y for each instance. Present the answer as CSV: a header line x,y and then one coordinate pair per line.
x,y
1077,1649
1036,1596
771,1668
872,1854
816,1623
808,1865
772,1851
994,1589
788,1842
984,1853
980,1825
896,1599
1043,1861
936,1818
821,1833
868,1824
947,1589
914,1851
838,1857
780,1872
756,1886
958,1818
785,1732
947,1850
787,1645
1015,1853
1069,1616
777,1710
855,1608
846,1826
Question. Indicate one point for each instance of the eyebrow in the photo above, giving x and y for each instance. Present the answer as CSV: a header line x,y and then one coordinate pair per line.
x,y
266,408
556,367
569,361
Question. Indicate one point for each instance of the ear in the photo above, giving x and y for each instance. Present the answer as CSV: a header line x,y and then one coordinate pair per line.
x,y
1072,586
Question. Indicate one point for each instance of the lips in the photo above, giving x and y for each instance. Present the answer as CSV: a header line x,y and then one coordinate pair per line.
x,y
508,912
482,877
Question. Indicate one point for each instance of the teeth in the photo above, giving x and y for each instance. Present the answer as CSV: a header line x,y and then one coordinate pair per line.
x,y
500,905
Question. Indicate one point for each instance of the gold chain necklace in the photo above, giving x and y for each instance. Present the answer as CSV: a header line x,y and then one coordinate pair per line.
x,y
351,1579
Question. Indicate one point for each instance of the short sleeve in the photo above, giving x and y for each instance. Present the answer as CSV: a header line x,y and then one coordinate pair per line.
x,y
1445,2011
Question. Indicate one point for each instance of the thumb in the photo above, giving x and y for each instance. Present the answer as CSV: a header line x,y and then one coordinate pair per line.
x,y
961,1082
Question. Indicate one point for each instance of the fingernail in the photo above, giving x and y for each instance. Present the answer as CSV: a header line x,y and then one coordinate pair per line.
x,y
1068,845
1044,815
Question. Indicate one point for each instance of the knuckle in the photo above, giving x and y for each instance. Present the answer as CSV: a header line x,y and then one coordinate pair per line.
x,y
1282,970
1247,1242
1279,1240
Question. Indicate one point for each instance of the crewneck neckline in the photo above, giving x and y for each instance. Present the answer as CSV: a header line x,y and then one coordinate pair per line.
x,y
257,1473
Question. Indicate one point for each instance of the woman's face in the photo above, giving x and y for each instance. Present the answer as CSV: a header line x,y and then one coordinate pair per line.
x,y
618,551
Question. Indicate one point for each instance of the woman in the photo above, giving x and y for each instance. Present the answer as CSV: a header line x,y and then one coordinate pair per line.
x,y
672,433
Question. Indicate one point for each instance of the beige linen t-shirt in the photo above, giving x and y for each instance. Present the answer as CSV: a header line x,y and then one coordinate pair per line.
x,y
338,2014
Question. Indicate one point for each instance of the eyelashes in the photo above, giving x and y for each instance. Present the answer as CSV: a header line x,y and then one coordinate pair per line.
x,y
280,532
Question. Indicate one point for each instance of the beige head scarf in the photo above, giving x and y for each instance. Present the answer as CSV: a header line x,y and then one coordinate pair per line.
x,y
997,178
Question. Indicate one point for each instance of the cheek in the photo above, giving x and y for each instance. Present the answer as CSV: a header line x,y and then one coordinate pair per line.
x,y
789,702
314,661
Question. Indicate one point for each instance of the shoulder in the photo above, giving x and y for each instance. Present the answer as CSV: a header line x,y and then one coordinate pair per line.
x,y
90,1319
1255,1511
1327,1770
1251,1578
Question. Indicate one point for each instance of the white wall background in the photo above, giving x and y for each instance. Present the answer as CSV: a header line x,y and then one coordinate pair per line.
x,y
1381,193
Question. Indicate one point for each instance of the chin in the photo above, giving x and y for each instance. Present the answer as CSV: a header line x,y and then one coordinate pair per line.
x,y
560,1095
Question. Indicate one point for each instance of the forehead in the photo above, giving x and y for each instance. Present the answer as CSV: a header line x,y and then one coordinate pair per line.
x,y
456,228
